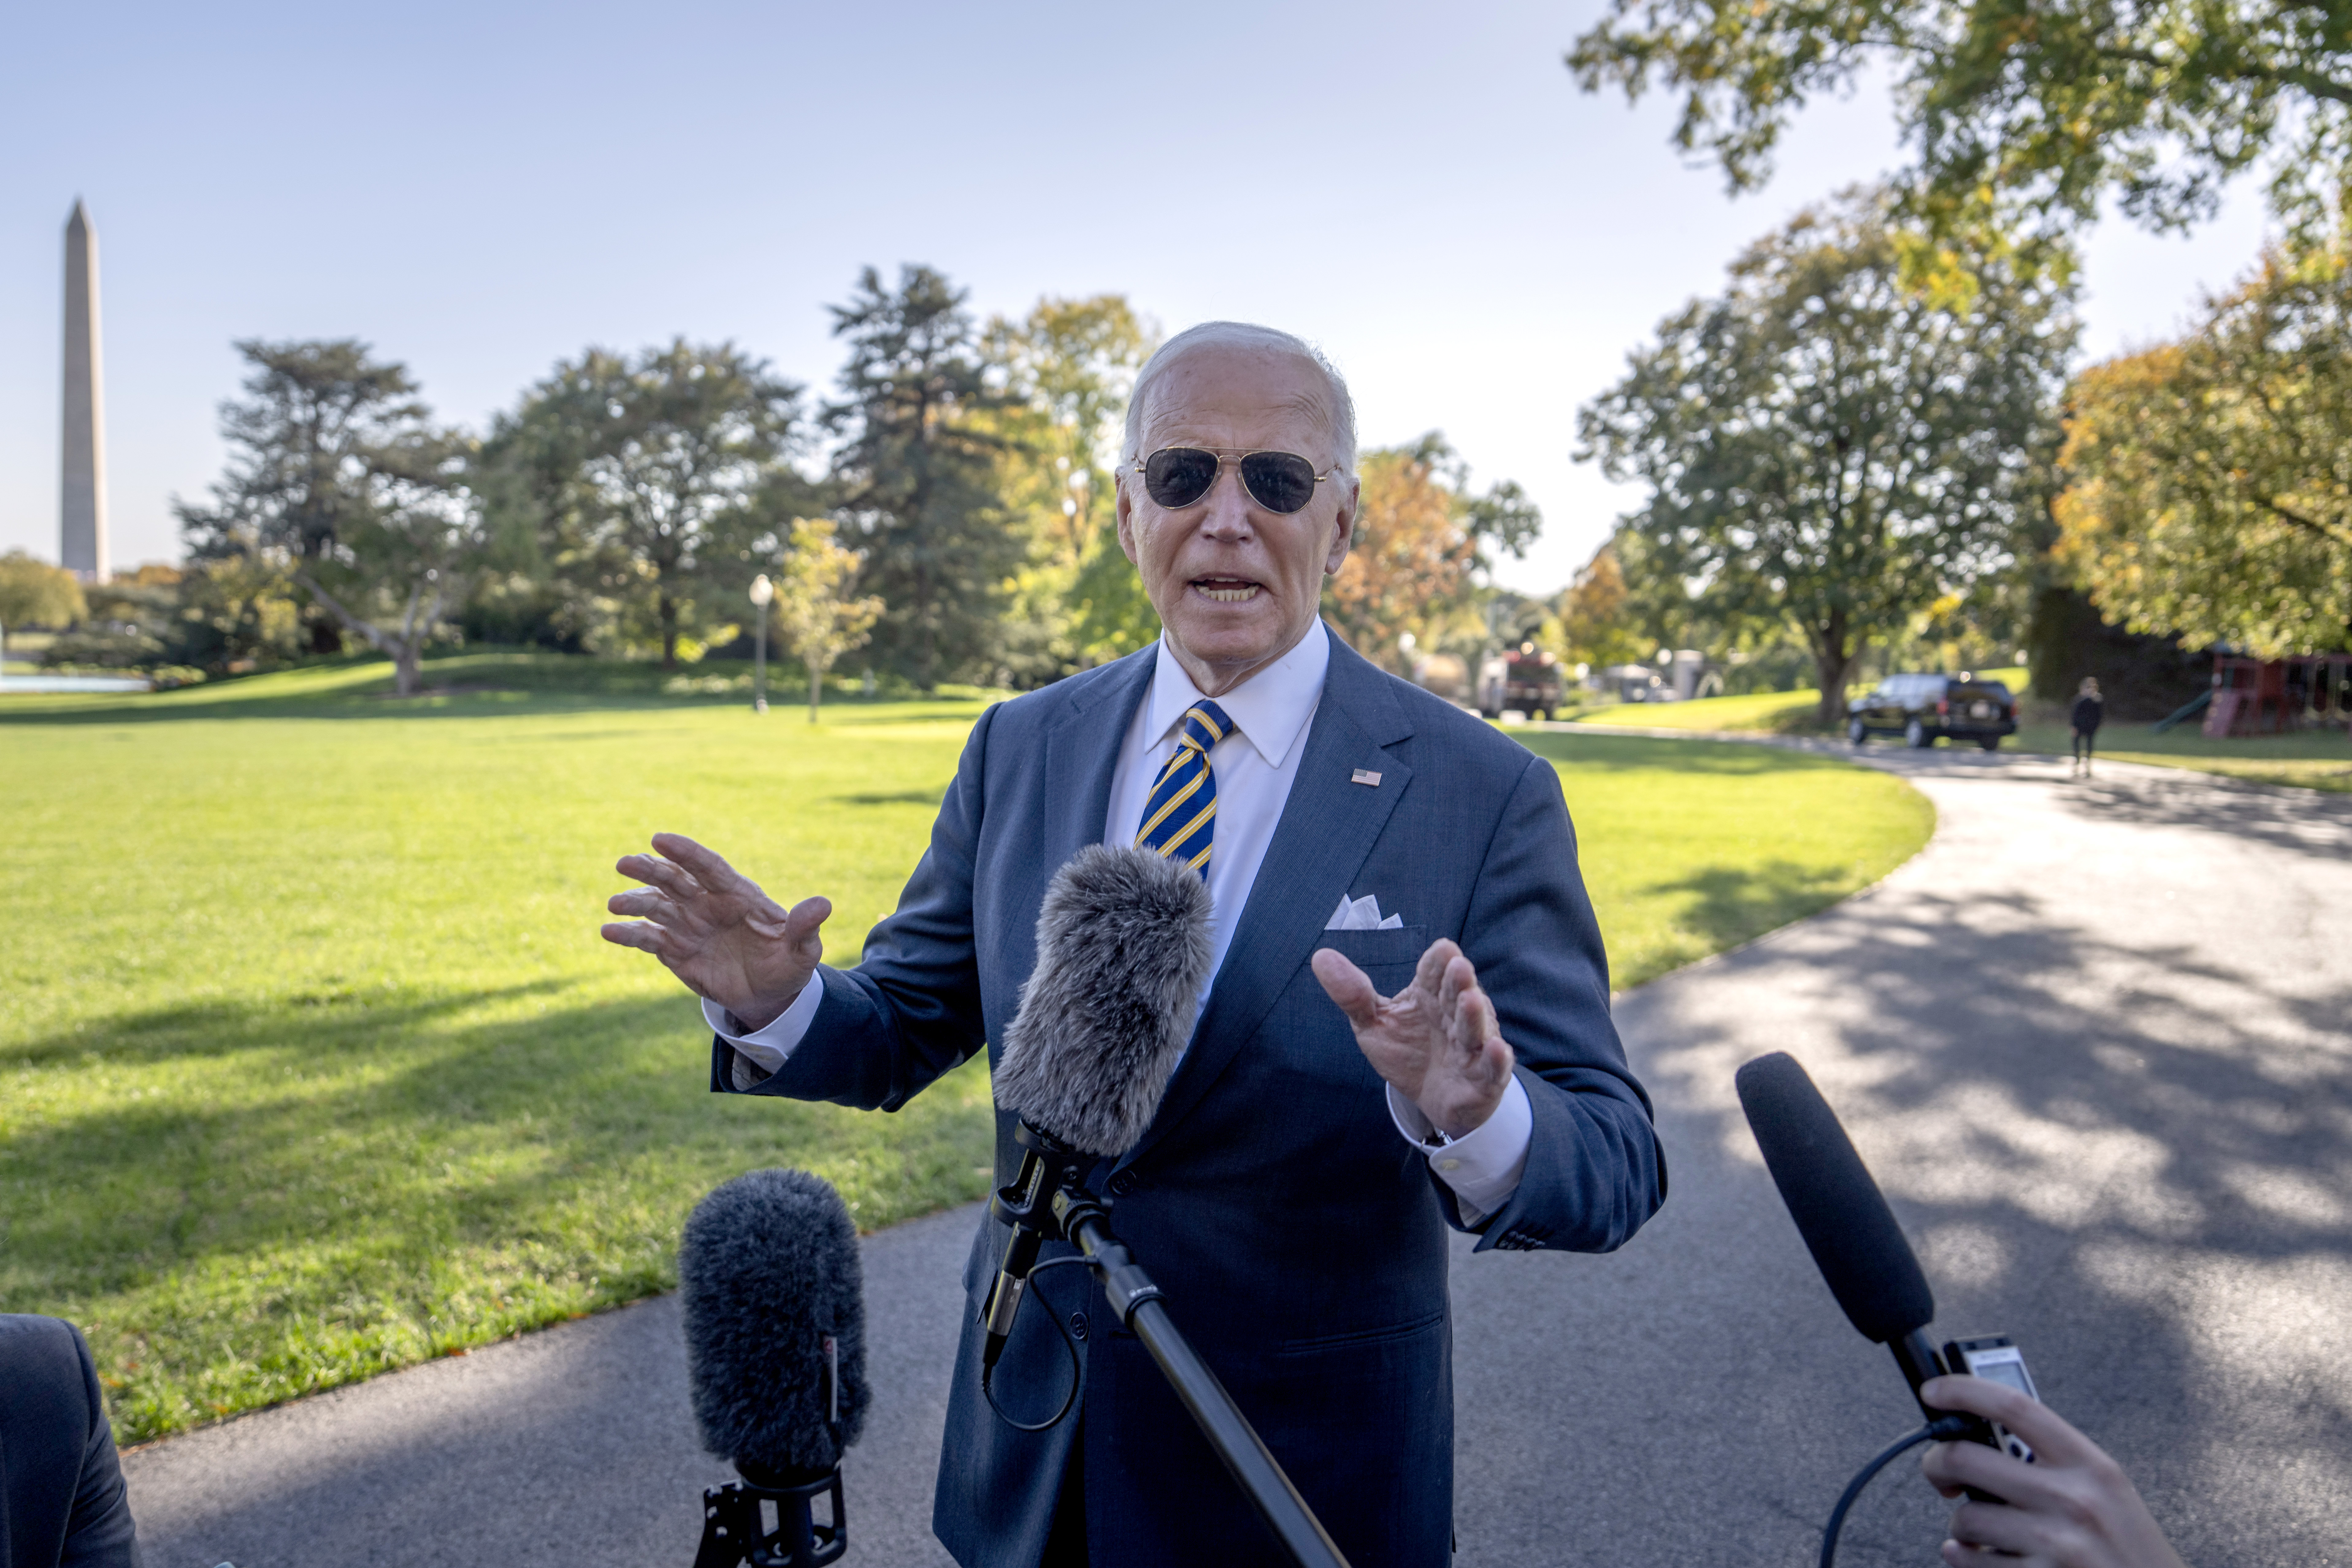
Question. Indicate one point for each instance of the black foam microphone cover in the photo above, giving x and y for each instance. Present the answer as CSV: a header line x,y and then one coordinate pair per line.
x,y
768,1271
1839,1210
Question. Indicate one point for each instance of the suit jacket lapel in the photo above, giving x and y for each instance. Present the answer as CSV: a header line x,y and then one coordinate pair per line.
x,y
1079,752
1081,755
1329,825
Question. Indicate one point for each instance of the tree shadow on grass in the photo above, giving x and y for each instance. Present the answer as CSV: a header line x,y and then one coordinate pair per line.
x,y
932,796
325,1024
1730,904
340,1190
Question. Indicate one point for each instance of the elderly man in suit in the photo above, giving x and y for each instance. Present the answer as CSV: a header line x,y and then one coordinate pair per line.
x,y
1407,1027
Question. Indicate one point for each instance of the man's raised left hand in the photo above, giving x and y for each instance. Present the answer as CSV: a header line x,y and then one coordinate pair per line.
x,y
1437,1040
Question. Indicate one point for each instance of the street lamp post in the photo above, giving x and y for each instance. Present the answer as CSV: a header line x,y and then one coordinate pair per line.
x,y
764,593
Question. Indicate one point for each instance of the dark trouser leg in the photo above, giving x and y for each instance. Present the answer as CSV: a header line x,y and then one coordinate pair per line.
x,y
1066,1544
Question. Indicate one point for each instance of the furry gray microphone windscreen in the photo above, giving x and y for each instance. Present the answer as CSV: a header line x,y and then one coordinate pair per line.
x,y
1122,953
768,1274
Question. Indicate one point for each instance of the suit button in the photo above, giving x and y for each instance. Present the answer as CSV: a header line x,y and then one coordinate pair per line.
x,y
1122,1184
1077,1325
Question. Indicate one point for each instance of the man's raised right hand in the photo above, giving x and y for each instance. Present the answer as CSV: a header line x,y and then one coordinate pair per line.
x,y
714,928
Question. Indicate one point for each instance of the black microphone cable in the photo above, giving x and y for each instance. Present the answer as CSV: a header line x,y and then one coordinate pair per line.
x,y
1951,1428
1069,1347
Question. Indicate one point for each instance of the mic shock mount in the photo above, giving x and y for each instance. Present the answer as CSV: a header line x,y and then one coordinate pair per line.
x,y
1027,1206
733,1532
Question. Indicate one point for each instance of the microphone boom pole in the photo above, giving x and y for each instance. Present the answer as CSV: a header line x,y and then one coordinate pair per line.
x,y
1122,954
1144,1312
1050,1204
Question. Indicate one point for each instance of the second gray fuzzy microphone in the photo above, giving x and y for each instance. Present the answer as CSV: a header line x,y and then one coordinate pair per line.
x,y
1122,954
1122,951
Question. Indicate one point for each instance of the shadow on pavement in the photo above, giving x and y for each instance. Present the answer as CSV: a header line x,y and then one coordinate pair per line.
x,y
555,1450
2291,818
2095,1045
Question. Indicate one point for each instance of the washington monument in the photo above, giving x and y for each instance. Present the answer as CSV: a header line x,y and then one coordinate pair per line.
x,y
81,542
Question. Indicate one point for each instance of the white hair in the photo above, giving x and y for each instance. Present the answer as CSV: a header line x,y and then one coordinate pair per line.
x,y
1338,411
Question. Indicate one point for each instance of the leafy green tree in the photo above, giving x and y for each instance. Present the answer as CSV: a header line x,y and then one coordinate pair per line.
x,y
226,616
36,594
1595,619
2210,481
237,613
2017,109
299,446
917,470
1663,611
1423,540
820,620
1822,445
651,482
1111,614
1066,370
338,478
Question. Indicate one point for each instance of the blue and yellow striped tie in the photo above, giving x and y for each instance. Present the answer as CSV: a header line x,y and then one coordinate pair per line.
x,y
1181,814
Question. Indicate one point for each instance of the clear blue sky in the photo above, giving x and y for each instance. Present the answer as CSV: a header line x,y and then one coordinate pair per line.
x,y
478,190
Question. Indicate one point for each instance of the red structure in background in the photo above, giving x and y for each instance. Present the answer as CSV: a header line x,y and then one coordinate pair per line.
x,y
2277,696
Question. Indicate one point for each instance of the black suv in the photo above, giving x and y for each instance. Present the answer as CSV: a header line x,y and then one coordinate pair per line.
x,y
1925,708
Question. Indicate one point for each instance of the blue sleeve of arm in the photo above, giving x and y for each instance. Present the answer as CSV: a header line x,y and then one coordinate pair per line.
x,y
910,1011
99,1533
1595,1171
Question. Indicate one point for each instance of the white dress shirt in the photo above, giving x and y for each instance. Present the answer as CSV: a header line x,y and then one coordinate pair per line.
x,y
1253,767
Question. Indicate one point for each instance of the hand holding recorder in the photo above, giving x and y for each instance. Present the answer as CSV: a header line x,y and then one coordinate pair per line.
x,y
2071,1508
2040,1492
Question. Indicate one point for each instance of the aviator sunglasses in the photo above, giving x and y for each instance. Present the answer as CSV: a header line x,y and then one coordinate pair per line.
x,y
1282,482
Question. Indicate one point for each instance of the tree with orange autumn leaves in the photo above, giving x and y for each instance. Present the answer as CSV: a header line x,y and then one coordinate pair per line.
x,y
1423,539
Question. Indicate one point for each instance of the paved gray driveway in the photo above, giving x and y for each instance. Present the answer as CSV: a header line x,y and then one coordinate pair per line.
x,y
2093,1040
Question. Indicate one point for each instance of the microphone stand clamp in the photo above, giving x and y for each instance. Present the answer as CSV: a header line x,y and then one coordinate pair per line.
x,y
1026,1204
731,1527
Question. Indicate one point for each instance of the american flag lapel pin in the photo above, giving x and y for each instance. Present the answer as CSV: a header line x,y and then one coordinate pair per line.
x,y
1365,776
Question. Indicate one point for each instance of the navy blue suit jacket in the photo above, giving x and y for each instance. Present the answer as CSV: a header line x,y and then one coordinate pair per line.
x,y
1300,1240
61,1498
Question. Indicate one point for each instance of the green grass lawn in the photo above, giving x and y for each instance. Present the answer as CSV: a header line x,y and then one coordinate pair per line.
x,y
1767,712
1691,846
312,1063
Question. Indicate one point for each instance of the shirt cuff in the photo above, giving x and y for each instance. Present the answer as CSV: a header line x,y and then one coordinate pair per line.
x,y
1484,1165
767,1048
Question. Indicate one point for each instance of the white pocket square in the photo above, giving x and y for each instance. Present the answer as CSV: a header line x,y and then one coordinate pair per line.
x,y
1362,914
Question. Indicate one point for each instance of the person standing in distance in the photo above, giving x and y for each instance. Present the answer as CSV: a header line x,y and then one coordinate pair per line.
x,y
2089,708
1407,1025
